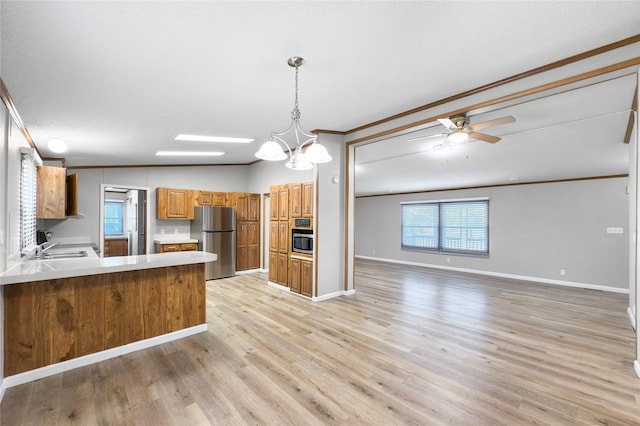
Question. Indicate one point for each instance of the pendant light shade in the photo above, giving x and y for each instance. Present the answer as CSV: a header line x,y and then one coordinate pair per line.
x,y
276,147
271,151
299,162
317,153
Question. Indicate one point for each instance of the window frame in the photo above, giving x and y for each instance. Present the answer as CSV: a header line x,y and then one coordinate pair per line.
x,y
122,218
439,247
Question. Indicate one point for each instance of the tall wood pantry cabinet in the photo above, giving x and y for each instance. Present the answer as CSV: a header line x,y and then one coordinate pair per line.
x,y
288,203
247,230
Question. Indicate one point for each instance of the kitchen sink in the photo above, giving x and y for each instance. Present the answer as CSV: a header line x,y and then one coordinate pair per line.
x,y
61,254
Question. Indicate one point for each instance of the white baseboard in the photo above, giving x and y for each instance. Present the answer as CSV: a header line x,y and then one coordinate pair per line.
x,y
82,361
501,275
636,367
314,299
248,271
332,295
278,286
632,317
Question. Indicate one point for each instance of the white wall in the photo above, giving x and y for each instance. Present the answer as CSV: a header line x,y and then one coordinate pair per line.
x,y
330,219
535,231
263,174
11,140
214,178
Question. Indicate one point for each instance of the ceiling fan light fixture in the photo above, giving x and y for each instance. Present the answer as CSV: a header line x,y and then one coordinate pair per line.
x,y
458,136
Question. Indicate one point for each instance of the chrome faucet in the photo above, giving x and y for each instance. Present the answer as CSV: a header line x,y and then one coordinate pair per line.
x,y
40,249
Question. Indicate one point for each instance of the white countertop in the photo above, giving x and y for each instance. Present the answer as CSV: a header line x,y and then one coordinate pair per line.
x,y
173,239
37,270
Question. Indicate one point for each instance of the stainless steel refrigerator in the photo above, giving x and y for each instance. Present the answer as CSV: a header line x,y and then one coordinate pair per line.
x,y
215,230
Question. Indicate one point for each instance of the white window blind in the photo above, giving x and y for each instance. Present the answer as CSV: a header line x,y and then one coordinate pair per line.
x,y
460,226
28,188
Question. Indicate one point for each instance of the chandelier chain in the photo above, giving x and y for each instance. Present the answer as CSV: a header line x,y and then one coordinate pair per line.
x,y
295,114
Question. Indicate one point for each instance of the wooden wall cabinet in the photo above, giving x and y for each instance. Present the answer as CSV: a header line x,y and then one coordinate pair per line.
x,y
219,199
116,247
51,196
71,208
174,203
307,199
205,198
295,200
210,198
301,199
283,202
274,212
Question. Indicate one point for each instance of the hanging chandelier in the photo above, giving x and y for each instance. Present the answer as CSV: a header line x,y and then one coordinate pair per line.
x,y
307,149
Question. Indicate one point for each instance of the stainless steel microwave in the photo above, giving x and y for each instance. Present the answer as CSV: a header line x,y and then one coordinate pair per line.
x,y
302,241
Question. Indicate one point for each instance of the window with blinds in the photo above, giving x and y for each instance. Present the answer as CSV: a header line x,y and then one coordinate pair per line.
x,y
460,226
28,187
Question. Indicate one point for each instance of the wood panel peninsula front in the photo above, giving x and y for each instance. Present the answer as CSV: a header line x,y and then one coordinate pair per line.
x,y
58,310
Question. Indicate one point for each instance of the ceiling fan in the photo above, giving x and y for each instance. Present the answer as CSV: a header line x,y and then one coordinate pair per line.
x,y
460,131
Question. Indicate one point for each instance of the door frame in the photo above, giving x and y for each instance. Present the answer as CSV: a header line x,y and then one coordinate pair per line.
x,y
147,217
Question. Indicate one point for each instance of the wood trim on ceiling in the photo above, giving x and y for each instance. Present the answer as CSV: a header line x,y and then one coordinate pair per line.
x,y
11,107
530,73
632,116
130,166
499,185
563,82
328,132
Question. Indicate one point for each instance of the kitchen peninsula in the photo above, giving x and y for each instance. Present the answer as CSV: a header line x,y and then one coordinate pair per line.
x,y
63,313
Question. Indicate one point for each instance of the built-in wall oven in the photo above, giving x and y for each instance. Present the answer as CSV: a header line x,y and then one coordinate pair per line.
x,y
302,241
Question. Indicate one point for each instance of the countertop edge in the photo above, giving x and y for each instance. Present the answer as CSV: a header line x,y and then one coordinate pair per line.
x,y
27,271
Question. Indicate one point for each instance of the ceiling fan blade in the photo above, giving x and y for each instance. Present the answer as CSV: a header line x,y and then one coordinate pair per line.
x,y
447,123
484,137
490,123
427,137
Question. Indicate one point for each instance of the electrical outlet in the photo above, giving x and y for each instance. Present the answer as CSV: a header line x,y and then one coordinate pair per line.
x,y
175,231
162,230
615,230
563,272
374,251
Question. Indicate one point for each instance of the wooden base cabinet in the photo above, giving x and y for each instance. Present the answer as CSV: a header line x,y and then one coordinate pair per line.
x,y
47,322
301,276
168,248
116,247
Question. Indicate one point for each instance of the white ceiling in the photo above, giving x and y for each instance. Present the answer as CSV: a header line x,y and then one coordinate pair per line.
x,y
119,80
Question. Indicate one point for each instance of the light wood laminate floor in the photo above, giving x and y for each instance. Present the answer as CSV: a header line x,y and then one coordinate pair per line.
x,y
412,346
